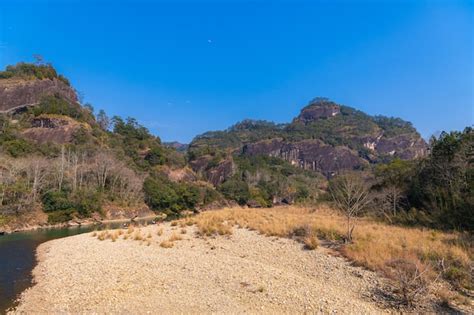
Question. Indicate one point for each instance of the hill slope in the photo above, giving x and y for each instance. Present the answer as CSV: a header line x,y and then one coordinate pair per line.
x,y
325,137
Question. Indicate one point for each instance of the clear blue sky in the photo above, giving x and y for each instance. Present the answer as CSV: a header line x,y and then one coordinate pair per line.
x,y
185,67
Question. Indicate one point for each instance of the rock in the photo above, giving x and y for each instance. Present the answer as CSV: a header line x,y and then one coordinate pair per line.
x,y
16,94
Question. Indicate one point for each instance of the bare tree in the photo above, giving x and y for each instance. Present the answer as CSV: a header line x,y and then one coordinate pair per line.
x,y
351,195
102,167
59,168
389,201
37,171
412,278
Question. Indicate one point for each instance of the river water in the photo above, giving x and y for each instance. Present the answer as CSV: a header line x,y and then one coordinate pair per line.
x,y
18,257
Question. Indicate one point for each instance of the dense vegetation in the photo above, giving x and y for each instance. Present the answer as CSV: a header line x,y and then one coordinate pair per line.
x,y
118,161
437,191
32,71
349,128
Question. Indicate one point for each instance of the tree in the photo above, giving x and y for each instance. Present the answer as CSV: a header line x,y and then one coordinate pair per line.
x,y
351,195
103,120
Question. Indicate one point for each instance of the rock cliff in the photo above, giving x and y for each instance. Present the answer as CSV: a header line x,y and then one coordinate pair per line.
x,y
18,93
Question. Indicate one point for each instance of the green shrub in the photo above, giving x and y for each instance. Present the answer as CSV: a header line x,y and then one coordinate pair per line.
x,y
156,156
56,105
87,202
160,195
60,216
237,190
56,201
18,147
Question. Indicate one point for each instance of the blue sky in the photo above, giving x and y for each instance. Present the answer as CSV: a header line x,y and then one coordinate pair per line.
x,y
186,67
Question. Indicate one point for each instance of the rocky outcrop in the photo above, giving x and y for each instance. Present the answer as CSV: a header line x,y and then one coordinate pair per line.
x,y
215,174
16,94
318,109
309,154
48,128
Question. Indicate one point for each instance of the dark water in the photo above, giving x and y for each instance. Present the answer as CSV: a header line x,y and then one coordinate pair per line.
x,y
18,258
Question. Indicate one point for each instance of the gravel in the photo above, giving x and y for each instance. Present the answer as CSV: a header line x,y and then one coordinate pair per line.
x,y
242,273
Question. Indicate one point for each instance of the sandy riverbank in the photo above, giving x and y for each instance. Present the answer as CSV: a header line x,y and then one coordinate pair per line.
x,y
244,272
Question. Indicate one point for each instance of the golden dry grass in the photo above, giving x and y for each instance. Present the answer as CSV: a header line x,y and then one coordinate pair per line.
x,y
159,232
175,237
167,244
374,243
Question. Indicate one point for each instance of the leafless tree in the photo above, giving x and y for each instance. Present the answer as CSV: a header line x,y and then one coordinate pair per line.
x,y
412,278
59,168
37,172
351,195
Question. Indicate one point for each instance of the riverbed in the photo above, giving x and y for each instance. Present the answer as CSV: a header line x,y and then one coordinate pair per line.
x,y
18,257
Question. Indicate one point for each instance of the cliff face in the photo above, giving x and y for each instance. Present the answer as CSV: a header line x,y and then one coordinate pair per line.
x,y
56,129
325,137
215,174
309,155
17,93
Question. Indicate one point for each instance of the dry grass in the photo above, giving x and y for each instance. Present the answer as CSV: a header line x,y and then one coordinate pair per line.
x,y
374,243
175,237
167,244
310,242
138,236
184,231
160,231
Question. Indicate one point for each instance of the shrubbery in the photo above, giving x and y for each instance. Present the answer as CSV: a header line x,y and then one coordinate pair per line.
x,y
237,190
164,195
29,70
62,205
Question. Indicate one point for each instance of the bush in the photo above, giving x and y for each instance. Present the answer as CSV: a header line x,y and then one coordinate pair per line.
x,y
29,70
163,195
410,277
18,147
237,190
156,156
56,201
56,105
87,202
60,216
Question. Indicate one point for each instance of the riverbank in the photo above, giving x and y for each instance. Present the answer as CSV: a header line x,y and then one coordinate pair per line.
x,y
75,223
168,269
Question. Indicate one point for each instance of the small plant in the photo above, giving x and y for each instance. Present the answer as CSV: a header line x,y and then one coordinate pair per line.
x,y
130,229
174,223
183,231
148,235
410,277
160,231
311,242
94,234
166,244
175,237
138,236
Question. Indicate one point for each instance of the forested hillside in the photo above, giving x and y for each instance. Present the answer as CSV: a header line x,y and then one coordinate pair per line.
x,y
62,161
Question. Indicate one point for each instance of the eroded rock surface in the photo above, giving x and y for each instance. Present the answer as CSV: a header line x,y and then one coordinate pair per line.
x,y
16,94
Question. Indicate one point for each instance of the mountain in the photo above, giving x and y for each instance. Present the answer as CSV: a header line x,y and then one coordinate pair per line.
x,y
60,162
325,137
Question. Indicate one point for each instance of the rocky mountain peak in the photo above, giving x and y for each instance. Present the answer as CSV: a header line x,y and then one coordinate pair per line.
x,y
318,108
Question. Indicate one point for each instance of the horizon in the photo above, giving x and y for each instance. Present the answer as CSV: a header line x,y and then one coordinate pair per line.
x,y
209,65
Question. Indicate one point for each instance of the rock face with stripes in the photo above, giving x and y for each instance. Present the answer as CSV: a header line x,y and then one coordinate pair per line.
x,y
16,94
